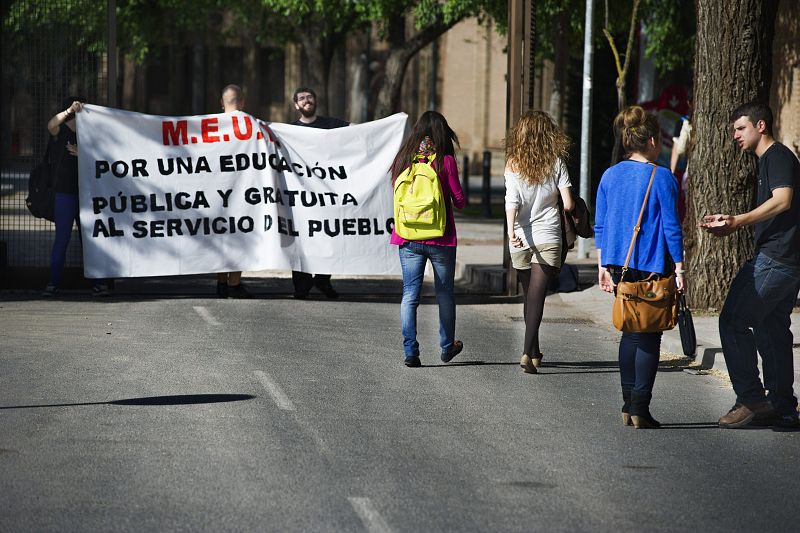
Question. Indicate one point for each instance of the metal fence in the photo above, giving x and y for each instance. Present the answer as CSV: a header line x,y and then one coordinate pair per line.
x,y
44,59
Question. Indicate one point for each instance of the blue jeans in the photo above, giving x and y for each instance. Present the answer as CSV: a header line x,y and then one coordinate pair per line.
x,y
66,212
761,298
413,257
638,352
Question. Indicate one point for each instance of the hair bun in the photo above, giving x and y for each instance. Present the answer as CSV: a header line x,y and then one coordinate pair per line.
x,y
633,117
636,127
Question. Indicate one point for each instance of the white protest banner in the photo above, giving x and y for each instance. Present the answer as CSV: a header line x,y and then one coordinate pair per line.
x,y
166,196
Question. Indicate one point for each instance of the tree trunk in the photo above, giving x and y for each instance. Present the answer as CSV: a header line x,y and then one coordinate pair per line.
x,y
622,70
128,84
557,95
358,70
732,67
252,74
213,71
620,106
396,63
198,75
319,52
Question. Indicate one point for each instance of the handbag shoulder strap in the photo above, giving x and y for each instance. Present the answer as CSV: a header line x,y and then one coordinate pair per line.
x,y
638,225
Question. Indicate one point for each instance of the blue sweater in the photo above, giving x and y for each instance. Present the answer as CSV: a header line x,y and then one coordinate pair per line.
x,y
619,199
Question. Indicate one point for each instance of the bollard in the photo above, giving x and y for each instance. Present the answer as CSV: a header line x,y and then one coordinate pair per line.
x,y
486,200
466,179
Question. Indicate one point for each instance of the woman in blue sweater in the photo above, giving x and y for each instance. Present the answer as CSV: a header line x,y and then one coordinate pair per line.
x,y
658,249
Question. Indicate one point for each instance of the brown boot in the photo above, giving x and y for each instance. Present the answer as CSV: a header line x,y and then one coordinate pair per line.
x,y
626,408
640,411
527,364
742,415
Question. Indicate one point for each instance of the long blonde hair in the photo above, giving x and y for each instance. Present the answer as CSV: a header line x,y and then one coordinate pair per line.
x,y
534,145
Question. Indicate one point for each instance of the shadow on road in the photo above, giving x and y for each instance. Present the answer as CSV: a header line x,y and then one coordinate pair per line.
x,y
579,367
690,425
469,363
181,399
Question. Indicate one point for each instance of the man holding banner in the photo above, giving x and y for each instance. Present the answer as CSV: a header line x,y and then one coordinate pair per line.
x,y
305,101
166,196
229,283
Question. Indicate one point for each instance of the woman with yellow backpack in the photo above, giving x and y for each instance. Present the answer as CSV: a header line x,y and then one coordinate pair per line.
x,y
426,188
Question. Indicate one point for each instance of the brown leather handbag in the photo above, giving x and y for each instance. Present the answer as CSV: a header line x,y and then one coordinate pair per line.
x,y
649,305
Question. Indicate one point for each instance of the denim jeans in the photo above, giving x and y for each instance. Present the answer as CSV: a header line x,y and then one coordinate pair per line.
x,y
638,352
761,298
66,213
413,257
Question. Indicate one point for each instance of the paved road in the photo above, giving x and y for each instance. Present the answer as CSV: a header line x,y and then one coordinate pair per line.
x,y
197,414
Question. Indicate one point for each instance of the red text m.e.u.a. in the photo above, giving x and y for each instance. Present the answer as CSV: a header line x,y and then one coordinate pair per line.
x,y
241,128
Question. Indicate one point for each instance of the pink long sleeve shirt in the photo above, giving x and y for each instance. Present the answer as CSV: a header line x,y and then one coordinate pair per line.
x,y
453,196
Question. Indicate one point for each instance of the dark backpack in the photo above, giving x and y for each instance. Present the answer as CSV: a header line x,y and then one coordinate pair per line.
x,y
41,194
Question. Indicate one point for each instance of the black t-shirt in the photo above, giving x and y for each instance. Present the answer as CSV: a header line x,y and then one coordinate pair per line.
x,y
64,163
779,237
323,123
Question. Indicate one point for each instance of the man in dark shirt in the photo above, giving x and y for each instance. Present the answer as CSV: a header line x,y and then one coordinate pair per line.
x,y
305,101
229,284
764,291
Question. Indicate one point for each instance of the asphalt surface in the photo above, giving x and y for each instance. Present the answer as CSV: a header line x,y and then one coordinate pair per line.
x,y
154,411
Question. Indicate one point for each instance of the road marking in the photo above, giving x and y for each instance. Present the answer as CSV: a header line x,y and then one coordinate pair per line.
x,y
205,315
371,518
282,401
321,446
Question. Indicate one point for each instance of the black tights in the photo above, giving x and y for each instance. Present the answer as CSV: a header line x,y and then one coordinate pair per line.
x,y
534,284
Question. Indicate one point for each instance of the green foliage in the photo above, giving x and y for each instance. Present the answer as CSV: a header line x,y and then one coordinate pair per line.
x,y
142,25
145,25
671,27
80,16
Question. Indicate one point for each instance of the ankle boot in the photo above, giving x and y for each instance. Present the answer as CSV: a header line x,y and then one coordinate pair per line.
x,y
640,411
626,407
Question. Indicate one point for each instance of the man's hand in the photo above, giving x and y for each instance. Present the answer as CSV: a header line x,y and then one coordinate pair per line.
x,y
719,225
605,281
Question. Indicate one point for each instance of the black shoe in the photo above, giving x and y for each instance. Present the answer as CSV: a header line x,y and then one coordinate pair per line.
x,y
100,289
238,292
50,291
786,423
326,288
454,350
222,290
300,295
413,362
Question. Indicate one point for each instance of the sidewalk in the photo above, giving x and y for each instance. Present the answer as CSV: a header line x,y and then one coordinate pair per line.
x,y
480,263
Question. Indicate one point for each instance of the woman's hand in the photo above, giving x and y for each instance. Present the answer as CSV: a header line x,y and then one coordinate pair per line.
x,y
76,107
604,279
515,240
63,117
680,282
72,149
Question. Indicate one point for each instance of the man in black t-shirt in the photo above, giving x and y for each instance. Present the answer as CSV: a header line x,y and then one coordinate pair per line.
x,y
229,284
305,101
764,291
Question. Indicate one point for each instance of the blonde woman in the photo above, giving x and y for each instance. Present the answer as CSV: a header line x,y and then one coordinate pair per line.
x,y
536,177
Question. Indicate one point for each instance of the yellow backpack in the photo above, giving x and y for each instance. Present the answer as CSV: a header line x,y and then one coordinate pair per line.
x,y
419,209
